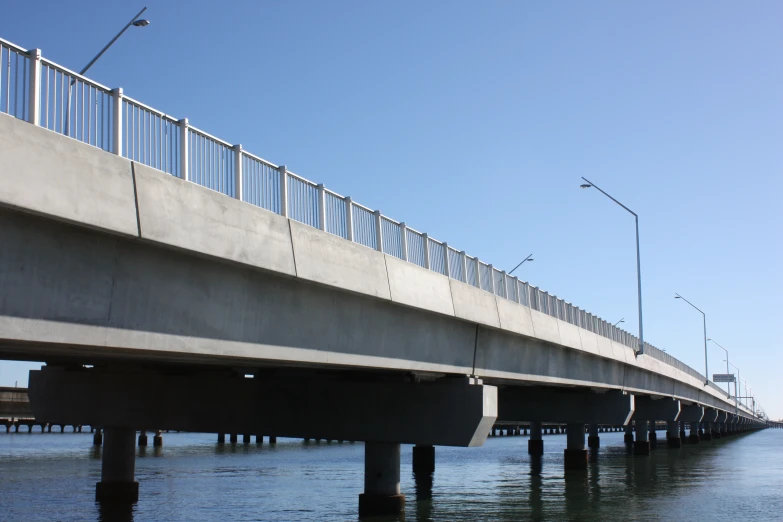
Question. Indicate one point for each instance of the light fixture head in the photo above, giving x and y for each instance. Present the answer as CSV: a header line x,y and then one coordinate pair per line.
x,y
585,185
141,23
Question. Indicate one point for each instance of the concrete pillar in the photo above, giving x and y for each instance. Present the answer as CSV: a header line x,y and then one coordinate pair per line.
x,y
593,440
673,435
233,438
142,439
273,439
653,435
117,468
628,437
642,444
221,438
707,430
259,439
575,454
535,445
381,480
49,429
423,458
97,439
246,438
694,437
683,438
157,440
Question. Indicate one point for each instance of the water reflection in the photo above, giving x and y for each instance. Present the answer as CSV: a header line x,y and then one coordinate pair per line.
x,y
536,495
115,512
423,484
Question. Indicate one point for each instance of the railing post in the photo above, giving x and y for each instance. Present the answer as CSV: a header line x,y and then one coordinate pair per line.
x,y
404,241
478,272
321,207
116,137
378,231
349,218
426,250
464,267
238,184
492,279
283,190
518,290
184,150
34,87
505,284
446,264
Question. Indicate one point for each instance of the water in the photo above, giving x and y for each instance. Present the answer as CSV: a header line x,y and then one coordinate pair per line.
x,y
52,477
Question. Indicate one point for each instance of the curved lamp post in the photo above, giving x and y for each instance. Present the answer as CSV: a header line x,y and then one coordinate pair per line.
x,y
704,316
136,22
590,184
728,389
528,258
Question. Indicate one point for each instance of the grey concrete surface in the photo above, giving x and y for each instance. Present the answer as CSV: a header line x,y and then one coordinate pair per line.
x,y
48,174
270,291
184,215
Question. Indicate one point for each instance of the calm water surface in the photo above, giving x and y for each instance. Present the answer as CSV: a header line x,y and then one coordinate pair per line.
x,y
52,477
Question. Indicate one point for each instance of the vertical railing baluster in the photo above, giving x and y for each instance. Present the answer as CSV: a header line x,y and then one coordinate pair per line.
x,y
492,279
238,183
349,218
34,87
426,252
446,264
378,231
184,159
283,190
404,241
464,267
116,146
321,207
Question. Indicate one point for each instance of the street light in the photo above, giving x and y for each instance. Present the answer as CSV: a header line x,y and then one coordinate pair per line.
x,y
136,22
590,184
736,394
706,373
728,389
528,258
620,321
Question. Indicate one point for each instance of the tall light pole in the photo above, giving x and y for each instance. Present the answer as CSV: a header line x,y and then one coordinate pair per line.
x,y
590,184
704,316
528,258
736,382
728,389
136,22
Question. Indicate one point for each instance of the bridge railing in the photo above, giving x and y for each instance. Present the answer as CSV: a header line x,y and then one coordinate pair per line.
x,y
49,95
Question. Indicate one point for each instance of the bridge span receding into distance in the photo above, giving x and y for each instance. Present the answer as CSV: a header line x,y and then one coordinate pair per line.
x,y
172,281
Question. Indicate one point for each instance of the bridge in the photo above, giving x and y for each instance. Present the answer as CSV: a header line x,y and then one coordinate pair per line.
x,y
173,281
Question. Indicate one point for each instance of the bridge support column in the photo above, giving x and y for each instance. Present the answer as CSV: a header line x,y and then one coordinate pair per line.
x,y
221,438
423,458
707,430
381,480
593,440
628,437
233,438
642,444
118,466
653,435
157,440
97,439
575,454
535,446
673,439
694,436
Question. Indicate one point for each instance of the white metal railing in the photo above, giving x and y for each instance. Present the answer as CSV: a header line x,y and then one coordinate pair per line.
x,y
51,96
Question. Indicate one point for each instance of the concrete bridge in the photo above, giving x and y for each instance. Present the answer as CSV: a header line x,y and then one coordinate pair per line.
x,y
166,288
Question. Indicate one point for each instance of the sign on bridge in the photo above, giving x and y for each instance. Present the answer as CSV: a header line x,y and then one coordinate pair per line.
x,y
722,377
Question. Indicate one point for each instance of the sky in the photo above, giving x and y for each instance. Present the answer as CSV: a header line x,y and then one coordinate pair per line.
x,y
474,122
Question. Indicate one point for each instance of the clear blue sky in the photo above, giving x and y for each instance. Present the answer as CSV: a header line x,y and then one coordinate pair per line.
x,y
475,122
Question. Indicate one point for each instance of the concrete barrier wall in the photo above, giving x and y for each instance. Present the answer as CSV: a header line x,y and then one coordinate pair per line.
x,y
343,304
